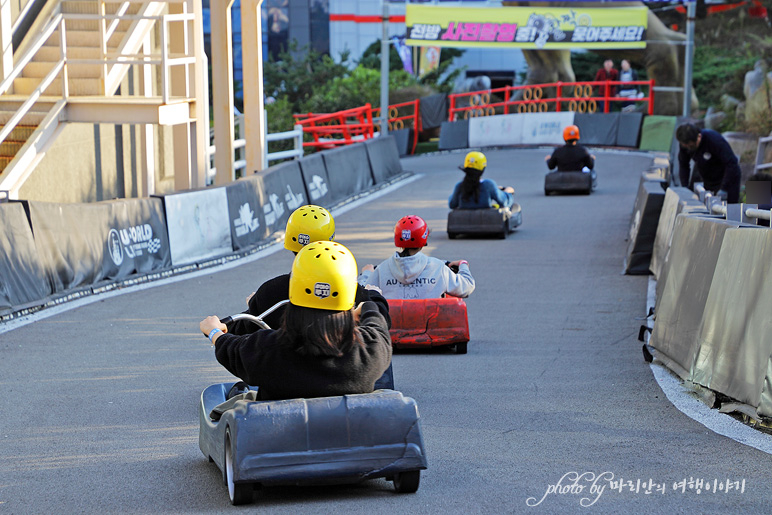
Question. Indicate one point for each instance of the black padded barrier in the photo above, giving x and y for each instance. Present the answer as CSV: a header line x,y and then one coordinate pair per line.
x,y
384,158
316,180
677,200
734,355
404,140
598,128
629,130
23,278
348,169
643,228
454,135
245,213
682,290
283,192
84,244
434,110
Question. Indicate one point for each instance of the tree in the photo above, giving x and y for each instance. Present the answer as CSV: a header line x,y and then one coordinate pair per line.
x,y
439,80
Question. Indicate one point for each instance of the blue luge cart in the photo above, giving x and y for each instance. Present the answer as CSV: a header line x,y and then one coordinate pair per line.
x,y
344,439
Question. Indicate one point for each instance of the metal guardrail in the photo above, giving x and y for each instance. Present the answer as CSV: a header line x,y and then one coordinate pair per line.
x,y
746,213
760,152
589,96
239,163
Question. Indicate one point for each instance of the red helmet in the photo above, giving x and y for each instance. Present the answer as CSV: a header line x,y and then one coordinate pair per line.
x,y
411,232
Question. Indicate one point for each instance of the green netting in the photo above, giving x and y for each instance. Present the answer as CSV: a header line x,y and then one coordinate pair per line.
x,y
657,133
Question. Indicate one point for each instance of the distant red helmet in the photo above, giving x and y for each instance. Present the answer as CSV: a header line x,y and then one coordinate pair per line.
x,y
411,232
571,133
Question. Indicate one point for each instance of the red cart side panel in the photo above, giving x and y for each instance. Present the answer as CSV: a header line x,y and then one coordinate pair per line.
x,y
428,322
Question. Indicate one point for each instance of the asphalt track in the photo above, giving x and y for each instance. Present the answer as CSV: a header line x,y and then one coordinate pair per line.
x,y
99,401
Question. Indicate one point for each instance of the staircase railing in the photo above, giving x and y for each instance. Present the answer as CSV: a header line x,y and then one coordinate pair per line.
x,y
114,65
60,66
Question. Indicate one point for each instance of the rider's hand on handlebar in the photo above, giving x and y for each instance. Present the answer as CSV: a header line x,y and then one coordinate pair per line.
x,y
211,322
358,312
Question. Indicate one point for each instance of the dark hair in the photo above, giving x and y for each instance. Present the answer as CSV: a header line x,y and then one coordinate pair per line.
x,y
687,133
761,176
319,332
470,186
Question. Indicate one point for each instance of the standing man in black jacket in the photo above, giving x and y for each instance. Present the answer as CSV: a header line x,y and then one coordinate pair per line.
x,y
714,161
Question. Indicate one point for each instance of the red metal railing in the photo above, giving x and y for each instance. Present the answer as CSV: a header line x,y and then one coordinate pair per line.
x,y
558,96
334,129
398,119
329,130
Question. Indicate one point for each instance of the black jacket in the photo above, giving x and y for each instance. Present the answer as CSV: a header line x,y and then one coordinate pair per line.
x,y
281,372
277,289
571,158
715,162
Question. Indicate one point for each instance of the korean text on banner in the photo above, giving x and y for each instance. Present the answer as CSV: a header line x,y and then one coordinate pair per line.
x,y
526,27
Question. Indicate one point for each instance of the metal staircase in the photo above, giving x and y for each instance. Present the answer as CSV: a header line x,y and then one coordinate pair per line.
x,y
72,64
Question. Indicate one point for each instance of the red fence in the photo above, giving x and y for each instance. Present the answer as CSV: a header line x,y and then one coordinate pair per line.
x,y
329,130
353,125
582,97
402,115
334,129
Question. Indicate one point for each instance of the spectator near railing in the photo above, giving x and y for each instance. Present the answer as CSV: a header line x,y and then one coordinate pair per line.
x,y
557,97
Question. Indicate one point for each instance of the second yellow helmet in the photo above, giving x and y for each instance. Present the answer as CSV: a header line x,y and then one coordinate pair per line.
x,y
308,224
476,161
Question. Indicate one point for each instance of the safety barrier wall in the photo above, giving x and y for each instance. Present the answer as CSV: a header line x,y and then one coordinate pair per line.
x,y
711,323
24,279
81,245
602,129
683,288
643,227
734,347
677,200
52,252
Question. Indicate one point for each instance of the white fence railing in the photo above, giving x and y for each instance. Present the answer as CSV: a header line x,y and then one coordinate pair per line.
x,y
239,161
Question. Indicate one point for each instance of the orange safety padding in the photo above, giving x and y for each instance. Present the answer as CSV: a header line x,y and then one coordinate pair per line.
x,y
428,322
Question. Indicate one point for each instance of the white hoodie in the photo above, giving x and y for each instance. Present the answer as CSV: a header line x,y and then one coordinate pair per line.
x,y
419,277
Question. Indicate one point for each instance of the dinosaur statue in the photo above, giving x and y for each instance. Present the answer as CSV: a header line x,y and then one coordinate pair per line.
x,y
662,58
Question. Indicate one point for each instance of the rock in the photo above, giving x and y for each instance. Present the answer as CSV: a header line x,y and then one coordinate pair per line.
x,y
754,79
739,114
758,107
713,118
743,144
728,102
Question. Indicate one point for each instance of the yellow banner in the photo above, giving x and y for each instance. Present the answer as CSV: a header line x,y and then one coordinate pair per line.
x,y
429,59
526,27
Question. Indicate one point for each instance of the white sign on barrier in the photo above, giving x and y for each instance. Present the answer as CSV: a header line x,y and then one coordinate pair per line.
x,y
545,128
198,225
495,131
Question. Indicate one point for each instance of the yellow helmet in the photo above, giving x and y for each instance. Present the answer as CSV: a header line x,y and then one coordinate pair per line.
x,y
308,224
324,276
475,160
